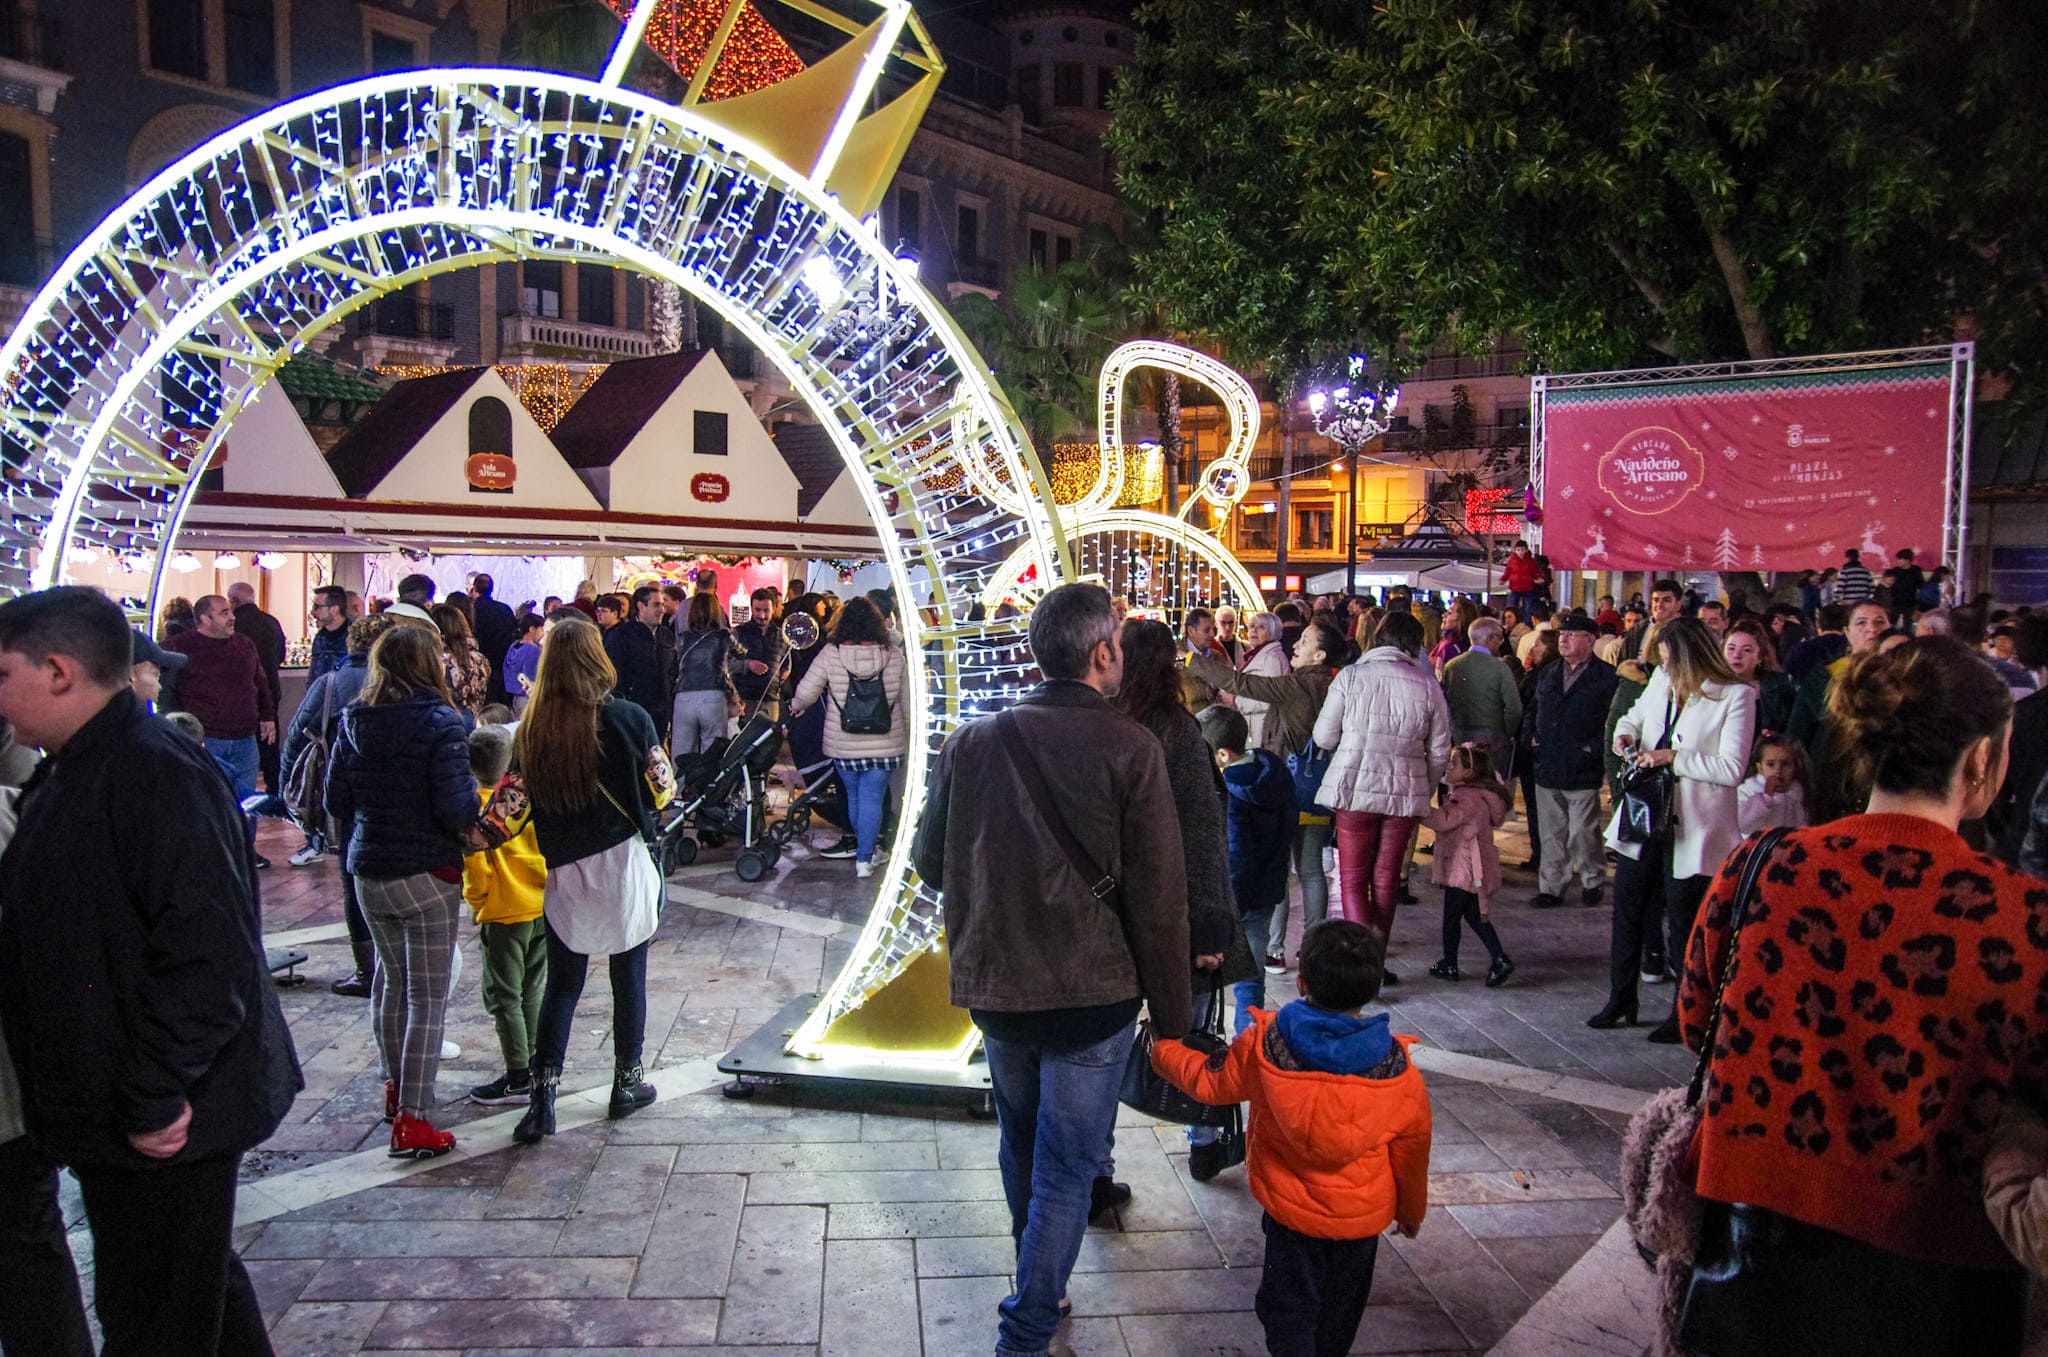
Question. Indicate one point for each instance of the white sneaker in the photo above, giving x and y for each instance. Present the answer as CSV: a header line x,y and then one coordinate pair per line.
x,y
449,1050
307,856
863,870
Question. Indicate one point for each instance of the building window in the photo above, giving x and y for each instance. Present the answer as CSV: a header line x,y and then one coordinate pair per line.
x,y
1066,84
1514,416
710,432
1062,249
1315,529
490,431
967,233
18,262
177,37
1038,243
910,217
540,289
1105,81
390,52
1071,34
250,30
1255,531
1027,93
1109,37
594,295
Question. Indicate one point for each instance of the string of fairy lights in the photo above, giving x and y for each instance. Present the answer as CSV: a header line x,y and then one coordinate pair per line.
x,y
547,390
754,56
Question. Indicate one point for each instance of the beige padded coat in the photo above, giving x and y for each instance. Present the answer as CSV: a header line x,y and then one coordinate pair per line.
x,y
827,681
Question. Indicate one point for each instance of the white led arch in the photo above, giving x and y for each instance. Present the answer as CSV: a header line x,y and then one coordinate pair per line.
x,y
133,361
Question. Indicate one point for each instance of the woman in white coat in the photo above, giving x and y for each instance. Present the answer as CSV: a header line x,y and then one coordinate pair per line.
x,y
1389,731
1266,656
1696,718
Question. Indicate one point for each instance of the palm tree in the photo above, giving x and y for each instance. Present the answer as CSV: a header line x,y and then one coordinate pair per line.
x,y
1047,338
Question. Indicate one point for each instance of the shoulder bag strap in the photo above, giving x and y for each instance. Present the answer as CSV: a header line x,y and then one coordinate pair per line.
x,y
1745,891
1671,714
327,706
1104,887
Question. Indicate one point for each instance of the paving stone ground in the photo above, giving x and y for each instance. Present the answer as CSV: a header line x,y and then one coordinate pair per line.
x,y
823,1224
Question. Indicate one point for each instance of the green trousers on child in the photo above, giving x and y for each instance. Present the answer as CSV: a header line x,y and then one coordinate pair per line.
x,y
515,973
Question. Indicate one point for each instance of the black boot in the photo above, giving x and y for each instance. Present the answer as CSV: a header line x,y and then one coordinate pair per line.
x,y
357,986
630,1092
1620,1012
539,1120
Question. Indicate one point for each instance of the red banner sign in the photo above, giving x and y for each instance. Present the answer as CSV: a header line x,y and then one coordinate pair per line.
x,y
491,471
1778,472
710,487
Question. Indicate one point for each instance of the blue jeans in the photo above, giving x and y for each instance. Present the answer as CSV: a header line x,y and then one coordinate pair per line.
x,y
239,755
1251,993
1309,842
1054,1112
867,796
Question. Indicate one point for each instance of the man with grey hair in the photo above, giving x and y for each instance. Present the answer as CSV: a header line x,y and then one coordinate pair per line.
x,y
1054,942
1485,703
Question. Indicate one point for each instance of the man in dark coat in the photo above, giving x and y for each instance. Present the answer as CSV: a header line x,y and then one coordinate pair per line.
x,y
1568,730
267,635
495,629
639,658
133,990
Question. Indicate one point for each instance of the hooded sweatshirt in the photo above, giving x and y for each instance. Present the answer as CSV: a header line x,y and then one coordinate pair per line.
x,y
1261,819
1338,1146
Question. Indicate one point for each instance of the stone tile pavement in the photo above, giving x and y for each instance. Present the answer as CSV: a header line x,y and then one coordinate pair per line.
x,y
826,1224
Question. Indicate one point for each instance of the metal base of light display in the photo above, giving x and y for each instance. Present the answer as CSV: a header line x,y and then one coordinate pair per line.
x,y
762,1061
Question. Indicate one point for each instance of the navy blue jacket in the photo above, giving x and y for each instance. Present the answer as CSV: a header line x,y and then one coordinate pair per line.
x,y
1260,814
638,659
1569,729
132,977
330,652
399,785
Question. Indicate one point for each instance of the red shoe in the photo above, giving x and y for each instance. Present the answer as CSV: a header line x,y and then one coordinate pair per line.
x,y
391,1100
412,1138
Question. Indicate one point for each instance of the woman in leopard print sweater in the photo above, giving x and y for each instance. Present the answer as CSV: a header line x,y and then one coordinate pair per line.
x,y
1888,995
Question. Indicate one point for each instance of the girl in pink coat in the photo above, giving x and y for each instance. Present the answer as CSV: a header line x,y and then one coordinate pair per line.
x,y
1466,863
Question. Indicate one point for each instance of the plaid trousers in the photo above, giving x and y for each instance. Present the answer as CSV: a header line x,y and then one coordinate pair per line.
x,y
412,923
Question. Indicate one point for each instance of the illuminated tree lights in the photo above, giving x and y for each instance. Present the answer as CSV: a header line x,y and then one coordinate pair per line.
x,y
754,56
547,390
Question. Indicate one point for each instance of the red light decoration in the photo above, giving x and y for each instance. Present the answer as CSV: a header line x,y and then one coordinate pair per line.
x,y
755,56
1480,516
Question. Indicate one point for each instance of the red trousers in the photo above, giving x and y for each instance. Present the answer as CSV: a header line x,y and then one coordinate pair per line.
x,y
1370,847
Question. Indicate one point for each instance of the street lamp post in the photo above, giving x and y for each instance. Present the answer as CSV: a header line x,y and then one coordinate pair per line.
x,y
1351,417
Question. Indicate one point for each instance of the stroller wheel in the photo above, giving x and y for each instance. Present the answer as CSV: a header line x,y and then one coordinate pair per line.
x,y
798,821
682,851
750,866
778,833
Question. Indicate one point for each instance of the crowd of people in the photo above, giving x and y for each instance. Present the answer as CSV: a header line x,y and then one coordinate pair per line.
x,y
1876,1063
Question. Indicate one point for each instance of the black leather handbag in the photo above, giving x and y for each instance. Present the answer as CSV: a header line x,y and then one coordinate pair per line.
x,y
1649,797
1147,1091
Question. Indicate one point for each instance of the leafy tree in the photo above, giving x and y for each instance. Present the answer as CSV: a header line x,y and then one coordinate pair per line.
x,y
1613,180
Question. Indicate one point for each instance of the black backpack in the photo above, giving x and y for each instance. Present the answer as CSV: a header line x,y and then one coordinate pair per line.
x,y
866,708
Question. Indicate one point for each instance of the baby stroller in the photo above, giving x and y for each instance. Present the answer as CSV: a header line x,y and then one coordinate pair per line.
x,y
724,797
724,792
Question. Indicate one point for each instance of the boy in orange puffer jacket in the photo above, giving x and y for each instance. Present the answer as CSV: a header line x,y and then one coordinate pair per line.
x,y
1338,1147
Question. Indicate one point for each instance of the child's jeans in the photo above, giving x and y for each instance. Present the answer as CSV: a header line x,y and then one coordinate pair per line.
x,y
1313,1291
515,977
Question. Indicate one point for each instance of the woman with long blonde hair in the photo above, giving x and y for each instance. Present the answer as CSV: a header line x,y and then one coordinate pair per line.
x,y
1697,719
399,785
589,773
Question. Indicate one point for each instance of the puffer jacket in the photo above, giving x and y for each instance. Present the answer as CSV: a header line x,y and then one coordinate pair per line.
x,y
346,680
1338,1143
829,679
399,785
1390,733
1262,816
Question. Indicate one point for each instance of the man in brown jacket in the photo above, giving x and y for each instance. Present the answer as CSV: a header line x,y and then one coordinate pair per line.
x,y
1051,831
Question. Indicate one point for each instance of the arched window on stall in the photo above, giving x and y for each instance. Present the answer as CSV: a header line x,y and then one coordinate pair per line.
x,y
490,469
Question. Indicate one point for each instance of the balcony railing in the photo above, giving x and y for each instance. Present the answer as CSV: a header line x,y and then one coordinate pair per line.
x,y
1448,367
571,338
404,318
36,39
1481,436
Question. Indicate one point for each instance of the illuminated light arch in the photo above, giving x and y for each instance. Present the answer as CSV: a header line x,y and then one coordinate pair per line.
x,y
132,363
1159,563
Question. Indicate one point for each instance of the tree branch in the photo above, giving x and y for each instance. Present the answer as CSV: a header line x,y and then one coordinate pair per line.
x,y
1657,297
1756,334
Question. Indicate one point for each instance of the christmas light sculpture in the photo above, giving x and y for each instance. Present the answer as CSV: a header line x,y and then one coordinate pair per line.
x,y
1162,565
134,360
